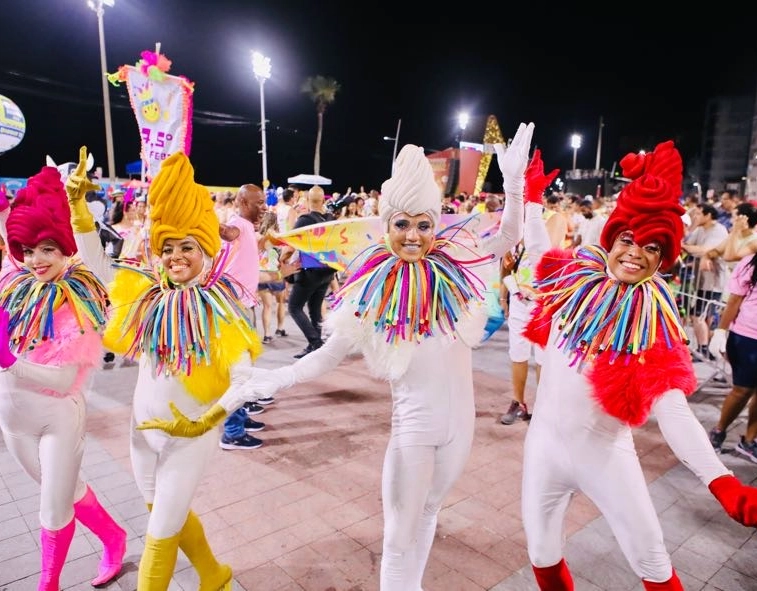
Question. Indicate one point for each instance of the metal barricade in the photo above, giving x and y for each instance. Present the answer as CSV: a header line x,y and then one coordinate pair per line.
x,y
711,373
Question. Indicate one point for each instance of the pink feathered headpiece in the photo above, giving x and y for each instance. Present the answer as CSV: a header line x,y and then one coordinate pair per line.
x,y
40,212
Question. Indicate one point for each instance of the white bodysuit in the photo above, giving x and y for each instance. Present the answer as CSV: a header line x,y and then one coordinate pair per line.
x,y
573,445
167,469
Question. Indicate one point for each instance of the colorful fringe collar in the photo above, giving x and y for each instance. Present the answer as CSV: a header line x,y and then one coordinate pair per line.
x,y
173,323
599,313
31,304
411,301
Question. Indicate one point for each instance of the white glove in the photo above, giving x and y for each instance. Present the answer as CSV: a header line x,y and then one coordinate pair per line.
x,y
511,284
717,342
513,160
240,390
267,382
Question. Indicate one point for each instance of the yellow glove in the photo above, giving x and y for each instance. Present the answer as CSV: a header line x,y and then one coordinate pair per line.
x,y
77,186
182,426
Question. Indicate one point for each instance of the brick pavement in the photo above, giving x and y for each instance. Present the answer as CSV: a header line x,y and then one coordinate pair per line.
x,y
304,512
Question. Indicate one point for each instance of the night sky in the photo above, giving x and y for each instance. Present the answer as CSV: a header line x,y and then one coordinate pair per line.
x,y
646,75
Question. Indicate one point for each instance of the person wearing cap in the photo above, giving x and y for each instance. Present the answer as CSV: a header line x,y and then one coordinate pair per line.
x,y
414,303
182,319
52,312
615,353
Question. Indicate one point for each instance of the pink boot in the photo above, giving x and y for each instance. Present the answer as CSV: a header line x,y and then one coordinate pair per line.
x,y
55,545
94,517
672,584
554,578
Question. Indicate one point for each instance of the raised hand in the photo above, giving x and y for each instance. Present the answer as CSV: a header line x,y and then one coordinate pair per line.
x,y
513,160
78,183
183,426
6,357
77,186
536,181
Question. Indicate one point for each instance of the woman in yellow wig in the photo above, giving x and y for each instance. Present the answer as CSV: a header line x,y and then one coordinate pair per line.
x,y
181,318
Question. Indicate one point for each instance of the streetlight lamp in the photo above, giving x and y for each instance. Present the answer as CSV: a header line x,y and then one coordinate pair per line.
x,y
575,143
99,7
462,122
395,139
261,66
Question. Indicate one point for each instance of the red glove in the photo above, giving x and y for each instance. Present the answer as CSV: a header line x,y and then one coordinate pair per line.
x,y
6,357
536,181
739,501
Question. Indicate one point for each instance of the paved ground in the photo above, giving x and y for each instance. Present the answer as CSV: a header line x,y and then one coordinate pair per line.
x,y
304,513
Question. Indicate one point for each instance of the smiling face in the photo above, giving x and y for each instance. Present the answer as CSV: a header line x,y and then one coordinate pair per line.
x,y
411,236
45,261
631,263
182,259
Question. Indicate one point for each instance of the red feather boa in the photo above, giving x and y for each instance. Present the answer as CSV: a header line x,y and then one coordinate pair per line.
x,y
627,387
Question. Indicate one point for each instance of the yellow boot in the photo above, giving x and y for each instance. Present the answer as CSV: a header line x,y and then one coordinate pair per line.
x,y
192,541
157,564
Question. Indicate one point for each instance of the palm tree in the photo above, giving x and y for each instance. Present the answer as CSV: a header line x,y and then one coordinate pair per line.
x,y
322,91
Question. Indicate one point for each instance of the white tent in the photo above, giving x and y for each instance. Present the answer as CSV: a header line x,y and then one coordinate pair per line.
x,y
309,179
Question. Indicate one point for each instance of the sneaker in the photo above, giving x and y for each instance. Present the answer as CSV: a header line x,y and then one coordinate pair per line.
x,y
253,409
251,426
516,411
243,442
267,340
306,351
281,333
266,401
717,437
748,450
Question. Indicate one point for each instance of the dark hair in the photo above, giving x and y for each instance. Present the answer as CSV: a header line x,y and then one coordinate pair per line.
x,y
287,195
117,213
709,210
749,211
553,199
753,279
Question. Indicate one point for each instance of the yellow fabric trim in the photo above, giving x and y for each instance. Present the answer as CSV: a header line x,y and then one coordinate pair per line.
x,y
207,383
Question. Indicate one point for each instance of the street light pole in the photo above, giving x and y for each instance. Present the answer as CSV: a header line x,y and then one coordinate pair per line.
x,y
261,66
98,7
396,139
575,143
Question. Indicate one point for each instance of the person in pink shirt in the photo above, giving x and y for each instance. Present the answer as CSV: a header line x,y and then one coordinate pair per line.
x,y
736,337
244,268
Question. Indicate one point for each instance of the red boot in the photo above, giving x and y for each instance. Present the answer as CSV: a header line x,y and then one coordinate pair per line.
x,y
94,517
54,546
672,584
554,578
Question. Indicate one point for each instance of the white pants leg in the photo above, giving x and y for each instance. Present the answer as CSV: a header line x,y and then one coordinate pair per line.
x,y
45,435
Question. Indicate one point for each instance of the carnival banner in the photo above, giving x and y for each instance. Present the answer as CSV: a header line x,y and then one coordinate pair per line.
x,y
162,105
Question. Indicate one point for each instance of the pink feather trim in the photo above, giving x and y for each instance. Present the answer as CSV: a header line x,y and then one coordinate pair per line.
x,y
627,388
70,346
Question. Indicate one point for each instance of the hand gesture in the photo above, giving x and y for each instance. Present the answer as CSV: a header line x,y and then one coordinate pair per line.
x,y
6,357
513,159
536,181
183,426
78,183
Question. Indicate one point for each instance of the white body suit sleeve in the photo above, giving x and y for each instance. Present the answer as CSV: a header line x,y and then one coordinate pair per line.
x,y
317,363
60,379
510,229
93,256
686,437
